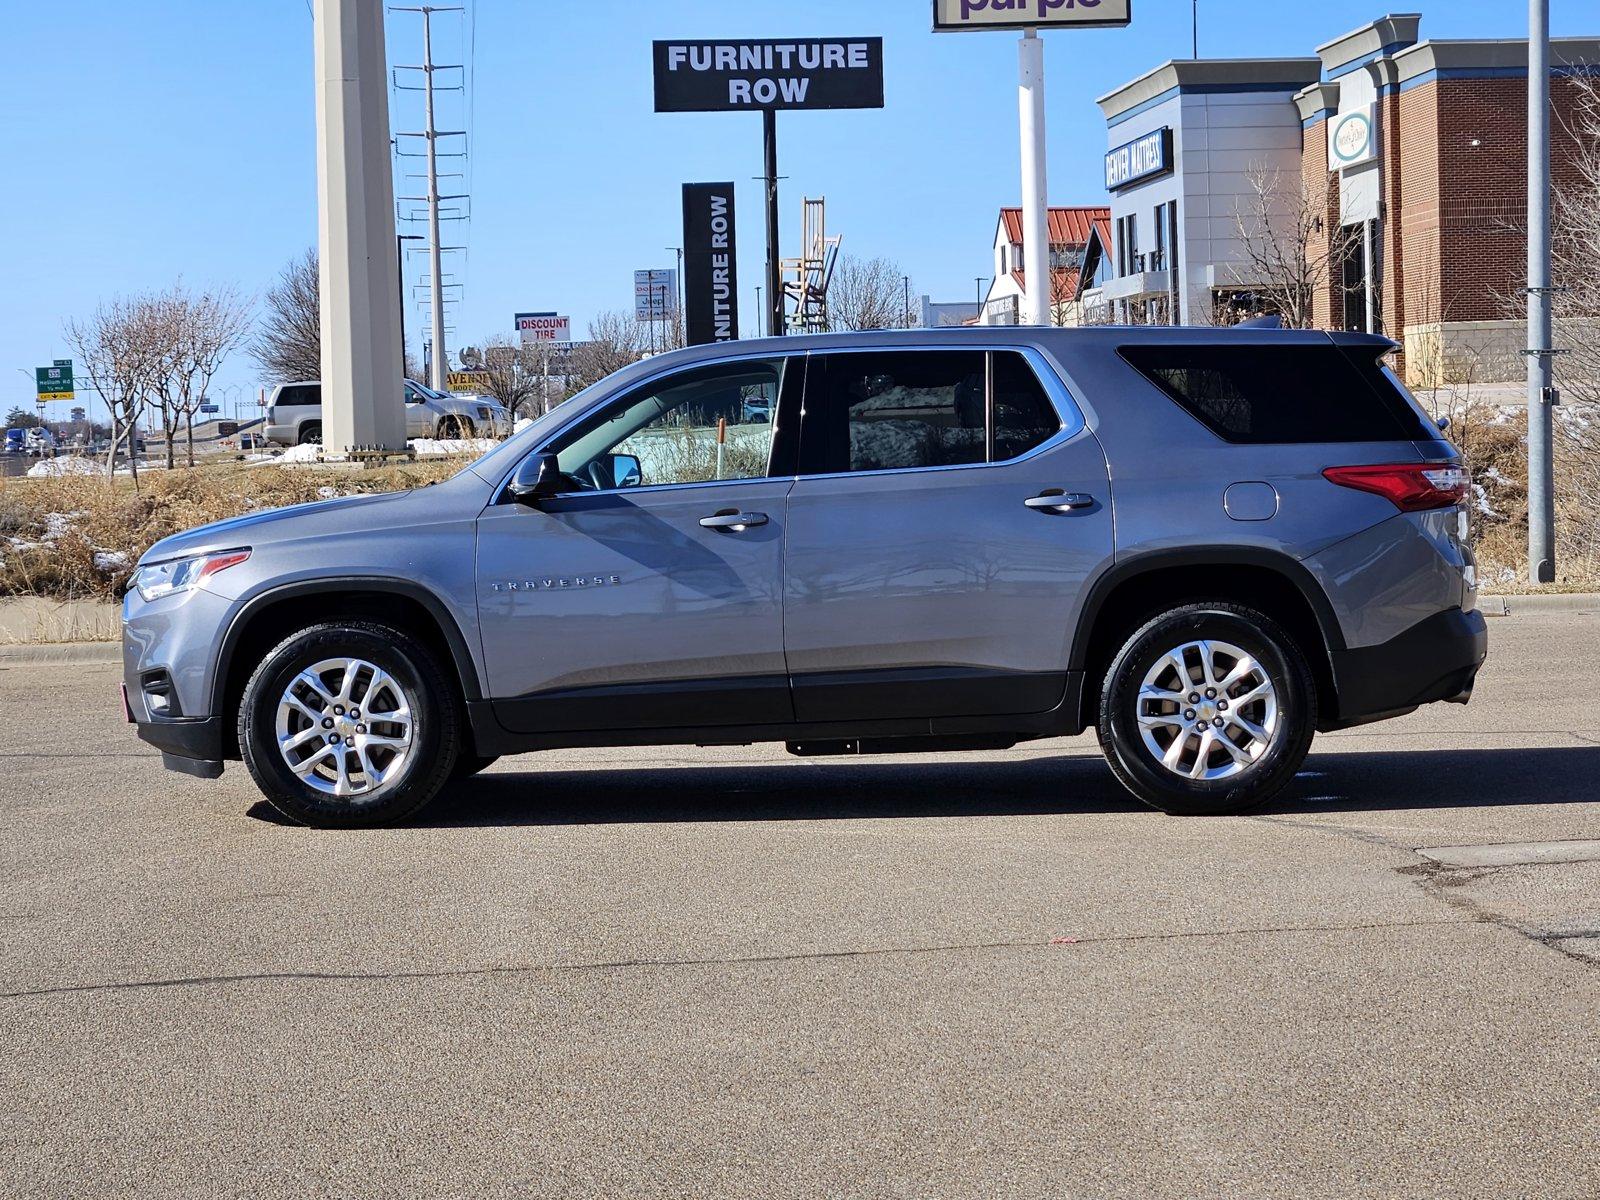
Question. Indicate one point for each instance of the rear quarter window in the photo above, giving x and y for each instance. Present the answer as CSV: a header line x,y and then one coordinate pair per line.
x,y
1260,395
302,394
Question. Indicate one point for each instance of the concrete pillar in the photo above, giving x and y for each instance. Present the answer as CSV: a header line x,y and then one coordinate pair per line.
x,y
362,398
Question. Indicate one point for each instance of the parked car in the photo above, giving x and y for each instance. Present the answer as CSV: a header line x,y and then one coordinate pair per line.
x,y
1206,545
16,442
294,415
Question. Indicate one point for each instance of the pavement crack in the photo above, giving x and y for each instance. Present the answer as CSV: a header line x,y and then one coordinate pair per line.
x,y
1442,883
736,960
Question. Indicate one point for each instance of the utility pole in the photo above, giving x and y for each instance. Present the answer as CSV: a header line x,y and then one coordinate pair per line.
x,y
1542,395
1035,226
435,254
438,363
905,283
676,324
1194,14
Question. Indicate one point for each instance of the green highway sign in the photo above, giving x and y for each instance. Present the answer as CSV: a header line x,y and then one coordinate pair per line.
x,y
54,383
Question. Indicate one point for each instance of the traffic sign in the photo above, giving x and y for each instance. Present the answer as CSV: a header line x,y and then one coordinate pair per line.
x,y
54,383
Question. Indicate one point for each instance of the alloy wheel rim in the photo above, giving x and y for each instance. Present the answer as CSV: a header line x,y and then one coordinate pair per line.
x,y
1207,710
345,727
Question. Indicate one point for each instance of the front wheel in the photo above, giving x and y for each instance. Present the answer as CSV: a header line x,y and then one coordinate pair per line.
x,y
348,724
1208,708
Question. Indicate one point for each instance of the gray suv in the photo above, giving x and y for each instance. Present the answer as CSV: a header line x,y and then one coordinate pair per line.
x,y
1206,545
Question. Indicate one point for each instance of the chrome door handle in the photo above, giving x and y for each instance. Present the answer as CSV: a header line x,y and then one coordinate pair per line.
x,y
1055,500
733,519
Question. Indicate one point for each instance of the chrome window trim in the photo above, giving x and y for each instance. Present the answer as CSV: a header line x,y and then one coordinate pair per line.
x,y
1068,411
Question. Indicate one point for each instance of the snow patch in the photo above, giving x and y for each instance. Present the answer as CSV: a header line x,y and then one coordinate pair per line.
x,y
453,446
56,468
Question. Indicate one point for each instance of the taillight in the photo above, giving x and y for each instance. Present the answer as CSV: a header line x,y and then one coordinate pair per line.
x,y
1410,487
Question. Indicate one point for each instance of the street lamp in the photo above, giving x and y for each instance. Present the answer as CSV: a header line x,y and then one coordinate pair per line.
x,y
400,240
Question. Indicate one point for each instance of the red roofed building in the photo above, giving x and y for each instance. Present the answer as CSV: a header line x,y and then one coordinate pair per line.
x,y
1070,233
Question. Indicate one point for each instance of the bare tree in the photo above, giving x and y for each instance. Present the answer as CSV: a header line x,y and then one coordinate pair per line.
x,y
1288,256
289,344
196,332
867,294
121,356
615,340
516,375
1574,247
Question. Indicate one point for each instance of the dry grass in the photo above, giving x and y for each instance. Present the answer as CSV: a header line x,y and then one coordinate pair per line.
x,y
1494,446
77,537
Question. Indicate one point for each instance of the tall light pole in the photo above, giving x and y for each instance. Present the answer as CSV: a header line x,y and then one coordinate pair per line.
x,y
1541,375
1035,229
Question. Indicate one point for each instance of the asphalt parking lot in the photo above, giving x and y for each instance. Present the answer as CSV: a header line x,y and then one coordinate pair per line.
x,y
713,973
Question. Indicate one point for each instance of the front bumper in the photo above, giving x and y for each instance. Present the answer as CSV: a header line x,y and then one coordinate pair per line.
x,y
172,640
192,745
1436,659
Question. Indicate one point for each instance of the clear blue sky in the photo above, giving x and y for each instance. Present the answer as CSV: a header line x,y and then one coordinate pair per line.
x,y
176,137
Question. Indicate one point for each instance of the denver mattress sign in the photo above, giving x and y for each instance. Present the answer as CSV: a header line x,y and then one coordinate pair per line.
x,y
752,75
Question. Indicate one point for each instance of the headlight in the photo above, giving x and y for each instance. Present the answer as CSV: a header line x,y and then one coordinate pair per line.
x,y
182,574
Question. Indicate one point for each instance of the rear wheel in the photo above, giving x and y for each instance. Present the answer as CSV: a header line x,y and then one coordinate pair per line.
x,y
348,724
311,433
1208,708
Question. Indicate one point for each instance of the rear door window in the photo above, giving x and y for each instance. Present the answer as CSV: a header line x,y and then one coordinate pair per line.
x,y
908,409
1259,395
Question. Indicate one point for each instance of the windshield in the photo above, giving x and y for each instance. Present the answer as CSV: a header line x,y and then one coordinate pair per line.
x,y
500,459
428,391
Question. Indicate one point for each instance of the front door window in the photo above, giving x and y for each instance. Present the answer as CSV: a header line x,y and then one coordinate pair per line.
x,y
699,426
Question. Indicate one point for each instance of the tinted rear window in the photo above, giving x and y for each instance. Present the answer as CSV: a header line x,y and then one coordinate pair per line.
x,y
301,394
1257,395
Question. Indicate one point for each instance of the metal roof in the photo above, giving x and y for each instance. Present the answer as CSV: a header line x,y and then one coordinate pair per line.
x,y
1068,226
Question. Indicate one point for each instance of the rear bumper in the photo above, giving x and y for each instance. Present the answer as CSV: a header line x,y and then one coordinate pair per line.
x,y
1436,659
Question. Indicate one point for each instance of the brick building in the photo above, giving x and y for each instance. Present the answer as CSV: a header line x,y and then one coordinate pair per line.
x,y
1413,152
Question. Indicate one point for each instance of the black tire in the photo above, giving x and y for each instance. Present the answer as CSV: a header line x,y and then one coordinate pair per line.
x,y
311,433
468,765
454,429
435,732
1138,766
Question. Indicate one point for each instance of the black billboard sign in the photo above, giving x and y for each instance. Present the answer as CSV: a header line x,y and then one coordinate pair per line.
x,y
710,274
753,75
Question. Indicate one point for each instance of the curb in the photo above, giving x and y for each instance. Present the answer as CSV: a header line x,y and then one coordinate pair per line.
x,y
1510,606
98,653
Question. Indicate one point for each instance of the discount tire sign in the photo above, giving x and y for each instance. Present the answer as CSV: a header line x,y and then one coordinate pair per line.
x,y
769,74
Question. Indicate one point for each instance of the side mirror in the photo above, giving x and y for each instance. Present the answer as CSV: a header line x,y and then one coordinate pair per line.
x,y
626,470
1443,423
537,478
